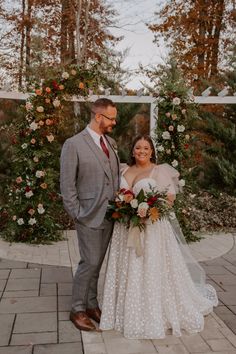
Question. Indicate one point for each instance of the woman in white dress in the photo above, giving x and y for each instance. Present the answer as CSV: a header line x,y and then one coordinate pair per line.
x,y
164,288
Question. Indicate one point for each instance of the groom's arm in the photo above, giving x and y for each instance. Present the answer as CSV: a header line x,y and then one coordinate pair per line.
x,y
68,176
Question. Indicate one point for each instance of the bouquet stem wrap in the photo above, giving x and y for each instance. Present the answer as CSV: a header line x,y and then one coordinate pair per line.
x,y
134,240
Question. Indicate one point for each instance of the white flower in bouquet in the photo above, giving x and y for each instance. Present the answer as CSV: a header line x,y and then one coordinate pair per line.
x,y
56,103
73,72
134,203
142,209
160,148
40,209
174,163
171,128
168,151
33,126
32,221
119,198
24,146
20,221
40,109
176,101
187,137
39,174
29,194
166,135
65,75
181,128
182,182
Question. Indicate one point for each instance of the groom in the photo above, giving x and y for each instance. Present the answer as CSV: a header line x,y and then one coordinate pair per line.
x,y
89,178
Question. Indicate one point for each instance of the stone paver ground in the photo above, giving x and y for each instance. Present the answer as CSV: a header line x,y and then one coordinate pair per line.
x,y
34,315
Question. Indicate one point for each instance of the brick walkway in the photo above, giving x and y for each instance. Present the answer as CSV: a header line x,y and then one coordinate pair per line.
x,y
34,315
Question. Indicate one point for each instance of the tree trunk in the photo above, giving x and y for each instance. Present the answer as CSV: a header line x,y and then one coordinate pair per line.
x,y
28,40
78,37
84,48
202,36
64,30
220,6
22,45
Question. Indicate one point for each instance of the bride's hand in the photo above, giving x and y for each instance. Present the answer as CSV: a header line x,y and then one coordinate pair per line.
x,y
170,199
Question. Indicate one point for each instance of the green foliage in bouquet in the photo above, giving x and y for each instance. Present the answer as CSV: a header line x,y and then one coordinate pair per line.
x,y
136,210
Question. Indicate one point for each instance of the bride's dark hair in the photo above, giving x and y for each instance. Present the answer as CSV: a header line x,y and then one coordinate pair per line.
x,y
131,159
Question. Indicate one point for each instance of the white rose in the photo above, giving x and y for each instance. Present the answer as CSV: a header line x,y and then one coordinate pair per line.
x,y
171,128
24,146
134,203
181,128
166,135
50,138
73,72
29,194
39,174
40,109
119,198
32,221
65,75
160,148
143,205
40,209
28,106
142,209
182,182
56,103
33,126
20,221
187,137
174,163
176,101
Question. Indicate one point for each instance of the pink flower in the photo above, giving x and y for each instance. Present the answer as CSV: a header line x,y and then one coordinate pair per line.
x,y
19,180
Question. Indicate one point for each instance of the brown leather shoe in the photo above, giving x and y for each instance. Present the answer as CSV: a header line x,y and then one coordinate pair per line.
x,y
95,314
81,321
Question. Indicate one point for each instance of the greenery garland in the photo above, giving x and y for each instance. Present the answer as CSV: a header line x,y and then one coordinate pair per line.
x,y
34,201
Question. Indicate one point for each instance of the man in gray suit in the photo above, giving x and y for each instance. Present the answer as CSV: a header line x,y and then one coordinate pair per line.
x,y
89,179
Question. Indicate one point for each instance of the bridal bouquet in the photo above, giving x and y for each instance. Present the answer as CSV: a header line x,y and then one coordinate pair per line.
x,y
135,211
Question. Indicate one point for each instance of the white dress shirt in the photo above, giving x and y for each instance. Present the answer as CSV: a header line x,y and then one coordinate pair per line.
x,y
96,137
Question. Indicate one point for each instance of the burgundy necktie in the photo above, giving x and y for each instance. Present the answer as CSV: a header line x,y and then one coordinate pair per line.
x,y
103,146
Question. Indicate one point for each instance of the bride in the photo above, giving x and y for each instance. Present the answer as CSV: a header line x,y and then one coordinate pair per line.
x,y
164,288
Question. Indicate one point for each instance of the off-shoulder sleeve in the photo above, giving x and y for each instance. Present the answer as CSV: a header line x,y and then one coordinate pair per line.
x,y
123,168
167,178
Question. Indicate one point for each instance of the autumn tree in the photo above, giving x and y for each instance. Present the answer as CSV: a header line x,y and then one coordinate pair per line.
x,y
197,32
37,34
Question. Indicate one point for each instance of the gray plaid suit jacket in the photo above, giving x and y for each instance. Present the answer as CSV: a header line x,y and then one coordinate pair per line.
x,y
88,179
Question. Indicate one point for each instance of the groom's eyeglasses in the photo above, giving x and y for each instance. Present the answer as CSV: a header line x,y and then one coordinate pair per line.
x,y
111,119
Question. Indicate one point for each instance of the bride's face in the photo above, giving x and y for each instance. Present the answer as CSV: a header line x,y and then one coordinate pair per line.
x,y
142,151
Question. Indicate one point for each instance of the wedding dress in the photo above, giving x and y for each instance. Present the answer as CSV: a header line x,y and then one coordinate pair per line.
x,y
144,296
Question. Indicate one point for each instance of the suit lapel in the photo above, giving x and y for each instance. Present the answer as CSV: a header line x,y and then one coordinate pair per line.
x,y
99,154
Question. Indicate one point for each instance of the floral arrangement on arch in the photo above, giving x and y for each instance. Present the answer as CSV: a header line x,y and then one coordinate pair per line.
x,y
34,199
176,110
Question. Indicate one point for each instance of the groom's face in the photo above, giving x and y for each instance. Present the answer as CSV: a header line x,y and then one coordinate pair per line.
x,y
107,119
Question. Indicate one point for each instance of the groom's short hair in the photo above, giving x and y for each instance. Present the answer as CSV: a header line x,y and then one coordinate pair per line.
x,y
103,103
